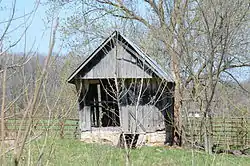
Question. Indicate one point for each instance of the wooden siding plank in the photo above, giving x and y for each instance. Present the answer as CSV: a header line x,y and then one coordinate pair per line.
x,y
105,68
124,63
127,65
124,119
131,110
149,119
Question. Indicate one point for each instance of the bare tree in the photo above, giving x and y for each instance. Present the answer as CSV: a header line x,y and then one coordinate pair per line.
x,y
202,41
7,64
23,86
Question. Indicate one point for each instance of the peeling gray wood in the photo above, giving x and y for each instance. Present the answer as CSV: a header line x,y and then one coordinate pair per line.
x,y
147,119
118,59
128,65
124,119
85,119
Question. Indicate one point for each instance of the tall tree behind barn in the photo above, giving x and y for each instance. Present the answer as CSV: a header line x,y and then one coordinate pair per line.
x,y
123,91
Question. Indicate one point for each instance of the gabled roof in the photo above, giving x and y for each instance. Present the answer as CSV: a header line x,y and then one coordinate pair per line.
x,y
116,35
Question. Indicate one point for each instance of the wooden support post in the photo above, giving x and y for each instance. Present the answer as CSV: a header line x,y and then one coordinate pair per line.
x,y
99,105
87,118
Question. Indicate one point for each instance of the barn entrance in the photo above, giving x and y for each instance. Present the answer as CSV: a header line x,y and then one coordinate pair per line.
x,y
103,104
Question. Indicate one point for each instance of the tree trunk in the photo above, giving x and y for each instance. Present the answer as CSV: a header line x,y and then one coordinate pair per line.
x,y
177,117
177,99
208,144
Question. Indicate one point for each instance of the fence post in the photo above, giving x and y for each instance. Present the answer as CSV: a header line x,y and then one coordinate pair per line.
x,y
62,129
76,130
243,132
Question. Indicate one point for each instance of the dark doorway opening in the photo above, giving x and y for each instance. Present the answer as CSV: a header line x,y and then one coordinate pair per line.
x,y
103,105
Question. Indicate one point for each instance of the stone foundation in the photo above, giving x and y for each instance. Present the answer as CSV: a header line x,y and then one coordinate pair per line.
x,y
112,137
152,139
103,137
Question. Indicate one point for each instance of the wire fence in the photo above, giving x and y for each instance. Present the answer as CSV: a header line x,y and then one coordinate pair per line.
x,y
227,132
64,128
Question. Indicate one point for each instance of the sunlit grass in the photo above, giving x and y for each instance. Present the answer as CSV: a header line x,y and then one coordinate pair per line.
x,y
73,152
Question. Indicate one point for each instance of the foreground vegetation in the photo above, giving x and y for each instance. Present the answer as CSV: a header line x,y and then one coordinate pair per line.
x,y
203,46
73,152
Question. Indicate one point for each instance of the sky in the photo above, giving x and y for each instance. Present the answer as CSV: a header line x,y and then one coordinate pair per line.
x,y
38,34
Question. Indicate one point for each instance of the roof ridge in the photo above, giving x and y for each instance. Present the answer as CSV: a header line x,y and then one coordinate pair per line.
x,y
155,67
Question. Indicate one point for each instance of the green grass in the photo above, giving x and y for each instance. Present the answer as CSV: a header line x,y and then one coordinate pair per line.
x,y
64,152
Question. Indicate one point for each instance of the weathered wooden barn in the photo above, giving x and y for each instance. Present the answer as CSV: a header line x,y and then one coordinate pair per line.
x,y
123,91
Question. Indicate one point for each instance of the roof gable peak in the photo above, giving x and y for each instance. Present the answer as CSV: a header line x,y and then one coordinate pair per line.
x,y
117,36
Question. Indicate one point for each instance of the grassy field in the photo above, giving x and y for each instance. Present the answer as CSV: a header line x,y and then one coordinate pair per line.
x,y
73,152
65,152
